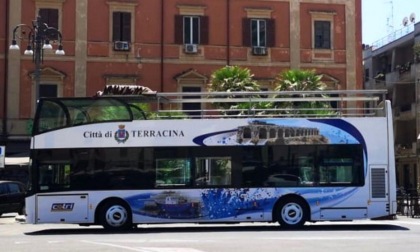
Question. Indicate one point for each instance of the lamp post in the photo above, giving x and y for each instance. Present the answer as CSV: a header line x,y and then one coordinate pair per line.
x,y
38,36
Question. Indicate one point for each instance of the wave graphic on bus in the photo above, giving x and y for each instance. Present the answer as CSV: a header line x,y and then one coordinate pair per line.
x,y
221,203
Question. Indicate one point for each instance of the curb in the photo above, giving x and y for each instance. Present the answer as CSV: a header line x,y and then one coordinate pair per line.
x,y
20,218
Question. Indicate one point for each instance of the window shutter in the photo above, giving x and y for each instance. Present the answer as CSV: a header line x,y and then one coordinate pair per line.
x,y
271,33
179,30
246,32
195,30
204,30
116,26
126,27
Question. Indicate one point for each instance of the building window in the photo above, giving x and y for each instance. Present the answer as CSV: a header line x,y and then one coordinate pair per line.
x,y
193,107
367,73
191,30
51,84
50,17
258,32
48,90
322,34
121,26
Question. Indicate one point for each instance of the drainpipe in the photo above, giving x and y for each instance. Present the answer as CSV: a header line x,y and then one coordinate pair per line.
x,y
228,32
6,70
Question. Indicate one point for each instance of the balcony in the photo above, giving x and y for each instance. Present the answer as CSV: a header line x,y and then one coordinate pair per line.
x,y
401,74
405,112
406,150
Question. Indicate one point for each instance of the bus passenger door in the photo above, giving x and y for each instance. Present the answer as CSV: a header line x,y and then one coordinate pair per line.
x,y
62,208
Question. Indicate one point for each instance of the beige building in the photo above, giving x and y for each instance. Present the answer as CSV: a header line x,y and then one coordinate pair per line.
x,y
391,63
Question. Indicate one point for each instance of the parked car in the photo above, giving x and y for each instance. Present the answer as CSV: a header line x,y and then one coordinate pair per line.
x,y
12,197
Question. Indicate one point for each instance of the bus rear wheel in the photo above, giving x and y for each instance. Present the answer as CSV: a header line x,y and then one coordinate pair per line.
x,y
292,213
115,216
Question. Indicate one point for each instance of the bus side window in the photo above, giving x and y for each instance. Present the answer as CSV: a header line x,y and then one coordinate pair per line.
x,y
309,176
46,177
173,172
214,171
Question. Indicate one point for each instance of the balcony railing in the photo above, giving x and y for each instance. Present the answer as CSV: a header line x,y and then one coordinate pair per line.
x,y
406,150
392,36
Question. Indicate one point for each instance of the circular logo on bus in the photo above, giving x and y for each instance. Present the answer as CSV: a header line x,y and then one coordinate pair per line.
x,y
121,135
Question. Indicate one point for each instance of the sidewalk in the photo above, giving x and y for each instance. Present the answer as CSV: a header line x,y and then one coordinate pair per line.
x,y
408,218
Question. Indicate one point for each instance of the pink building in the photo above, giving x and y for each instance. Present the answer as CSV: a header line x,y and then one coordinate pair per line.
x,y
171,45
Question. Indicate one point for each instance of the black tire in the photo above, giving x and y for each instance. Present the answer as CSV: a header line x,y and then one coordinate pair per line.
x,y
292,213
115,216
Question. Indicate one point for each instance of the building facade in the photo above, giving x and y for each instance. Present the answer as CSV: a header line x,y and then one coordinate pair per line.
x,y
171,45
393,63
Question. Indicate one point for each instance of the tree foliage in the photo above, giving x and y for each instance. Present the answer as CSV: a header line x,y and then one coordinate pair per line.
x,y
237,79
301,80
233,79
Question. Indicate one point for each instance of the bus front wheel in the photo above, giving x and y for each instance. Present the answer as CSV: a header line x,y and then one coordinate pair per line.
x,y
292,213
115,216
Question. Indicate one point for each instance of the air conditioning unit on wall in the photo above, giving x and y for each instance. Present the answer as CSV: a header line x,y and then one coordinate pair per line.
x,y
191,48
121,46
259,50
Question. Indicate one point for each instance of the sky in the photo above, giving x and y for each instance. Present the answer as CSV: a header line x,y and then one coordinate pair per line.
x,y
381,17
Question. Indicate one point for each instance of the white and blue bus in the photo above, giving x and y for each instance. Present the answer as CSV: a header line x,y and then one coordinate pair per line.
x,y
123,160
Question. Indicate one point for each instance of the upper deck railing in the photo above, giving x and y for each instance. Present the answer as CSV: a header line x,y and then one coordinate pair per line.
x,y
275,104
132,104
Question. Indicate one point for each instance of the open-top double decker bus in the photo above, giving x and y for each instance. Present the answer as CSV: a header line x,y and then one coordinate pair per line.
x,y
123,160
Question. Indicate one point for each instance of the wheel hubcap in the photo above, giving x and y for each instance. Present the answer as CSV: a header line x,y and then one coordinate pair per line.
x,y
292,213
116,216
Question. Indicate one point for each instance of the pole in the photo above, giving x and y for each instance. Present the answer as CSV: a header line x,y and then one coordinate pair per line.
x,y
37,58
39,35
5,79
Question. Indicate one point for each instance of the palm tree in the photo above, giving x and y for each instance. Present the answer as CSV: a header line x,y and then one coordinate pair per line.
x,y
233,79
302,80
299,80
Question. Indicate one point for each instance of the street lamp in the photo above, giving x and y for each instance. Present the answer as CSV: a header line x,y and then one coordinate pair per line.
x,y
38,36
